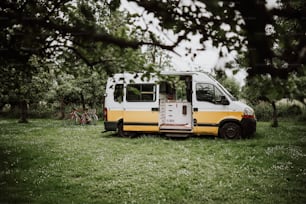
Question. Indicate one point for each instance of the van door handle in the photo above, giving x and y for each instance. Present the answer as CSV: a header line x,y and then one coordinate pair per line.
x,y
155,109
184,110
195,109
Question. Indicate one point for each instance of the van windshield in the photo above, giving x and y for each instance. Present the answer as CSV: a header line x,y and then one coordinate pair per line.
x,y
233,98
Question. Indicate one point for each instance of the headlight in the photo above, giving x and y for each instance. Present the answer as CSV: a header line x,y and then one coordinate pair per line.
x,y
248,113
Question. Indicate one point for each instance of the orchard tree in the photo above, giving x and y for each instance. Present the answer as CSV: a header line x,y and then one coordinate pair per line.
x,y
228,82
244,26
46,28
63,91
19,87
265,88
49,29
158,58
297,88
33,27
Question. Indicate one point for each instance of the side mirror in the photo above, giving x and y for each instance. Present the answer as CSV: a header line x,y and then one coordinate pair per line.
x,y
224,100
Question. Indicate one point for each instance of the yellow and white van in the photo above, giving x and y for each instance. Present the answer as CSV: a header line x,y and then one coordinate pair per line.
x,y
175,104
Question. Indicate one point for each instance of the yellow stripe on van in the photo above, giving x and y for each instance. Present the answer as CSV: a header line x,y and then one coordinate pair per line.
x,y
141,128
141,116
206,130
215,117
141,121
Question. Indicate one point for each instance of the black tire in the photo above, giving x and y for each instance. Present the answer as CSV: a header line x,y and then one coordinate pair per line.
x,y
123,133
230,131
120,131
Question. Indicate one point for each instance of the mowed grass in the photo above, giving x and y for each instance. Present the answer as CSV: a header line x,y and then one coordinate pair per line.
x,y
48,161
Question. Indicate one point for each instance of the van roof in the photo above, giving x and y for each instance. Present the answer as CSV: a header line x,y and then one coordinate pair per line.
x,y
181,73
197,76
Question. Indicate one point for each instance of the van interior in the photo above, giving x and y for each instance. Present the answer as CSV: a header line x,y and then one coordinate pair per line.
x,y
176,104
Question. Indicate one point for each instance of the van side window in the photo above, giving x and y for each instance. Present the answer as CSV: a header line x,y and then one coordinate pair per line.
x,y
208,92
118,93
141,92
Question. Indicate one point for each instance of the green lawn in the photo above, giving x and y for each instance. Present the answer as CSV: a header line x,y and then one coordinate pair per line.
x,y
48,161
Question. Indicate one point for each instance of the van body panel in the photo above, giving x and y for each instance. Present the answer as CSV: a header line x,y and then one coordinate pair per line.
x,y
248,126
208,122
141,116
110,126
214,117
115,115
206,130
145,127
193,103
136,120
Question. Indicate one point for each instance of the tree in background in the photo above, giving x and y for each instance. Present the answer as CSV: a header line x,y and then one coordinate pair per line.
x,y
63,91
228,82
262,88
21,87
273,40
271,90
297,88
245,26
158,58
61,32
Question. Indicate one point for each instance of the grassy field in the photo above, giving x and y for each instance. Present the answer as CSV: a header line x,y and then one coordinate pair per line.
x,y
48,161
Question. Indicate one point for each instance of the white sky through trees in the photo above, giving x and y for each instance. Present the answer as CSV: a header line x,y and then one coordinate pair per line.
x,y
204,60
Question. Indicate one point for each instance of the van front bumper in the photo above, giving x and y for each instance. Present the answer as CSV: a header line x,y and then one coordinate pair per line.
x,y
248,127
110,126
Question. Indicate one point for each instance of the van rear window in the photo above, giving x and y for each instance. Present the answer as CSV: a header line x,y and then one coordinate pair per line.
x,y
141,93
118,93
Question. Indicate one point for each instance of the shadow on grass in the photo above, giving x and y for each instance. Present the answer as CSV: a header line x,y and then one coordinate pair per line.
x,y
12,186
27,174
174,138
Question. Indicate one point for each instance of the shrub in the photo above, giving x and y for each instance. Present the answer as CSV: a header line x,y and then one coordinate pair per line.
x,y
263,111
302,116
289,112
294,110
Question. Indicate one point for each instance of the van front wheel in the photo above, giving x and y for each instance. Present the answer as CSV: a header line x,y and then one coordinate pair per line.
x,y
230,131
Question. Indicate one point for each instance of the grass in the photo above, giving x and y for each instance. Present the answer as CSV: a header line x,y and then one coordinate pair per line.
x,y
48,161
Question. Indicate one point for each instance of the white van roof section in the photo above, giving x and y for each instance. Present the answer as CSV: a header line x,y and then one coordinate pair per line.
x,y
137,77
197,76
131,77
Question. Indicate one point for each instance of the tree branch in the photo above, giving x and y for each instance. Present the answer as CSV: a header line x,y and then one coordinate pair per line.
x,y
288,12
85,59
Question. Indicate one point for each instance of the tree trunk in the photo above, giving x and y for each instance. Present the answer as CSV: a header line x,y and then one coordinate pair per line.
x,y
274,115
93,104
83,101
23,112
1,106
62,109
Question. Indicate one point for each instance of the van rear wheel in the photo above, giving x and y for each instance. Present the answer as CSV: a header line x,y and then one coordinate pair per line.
x,y
123,133
230,131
